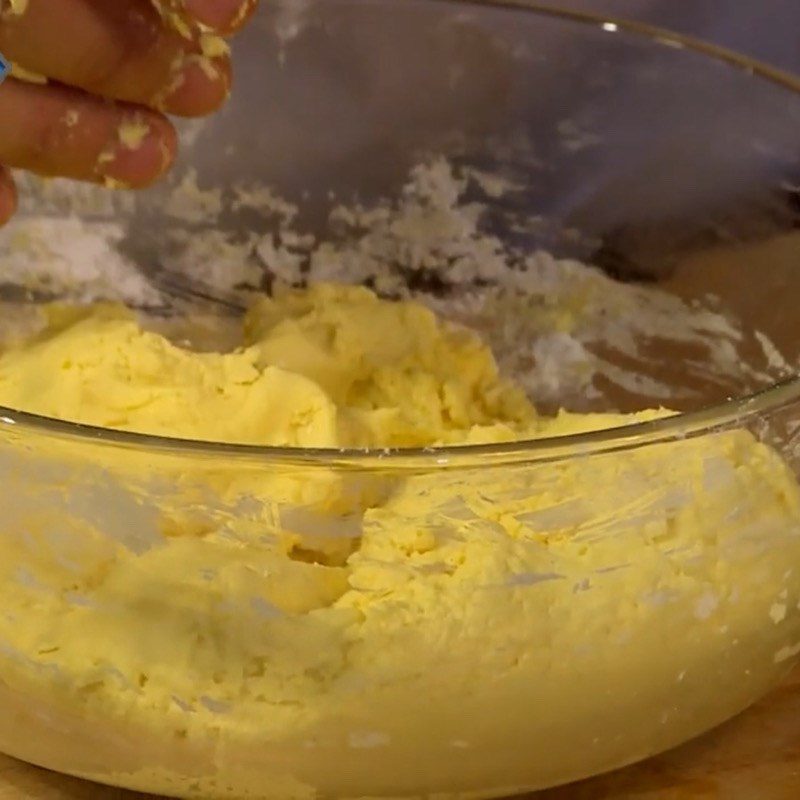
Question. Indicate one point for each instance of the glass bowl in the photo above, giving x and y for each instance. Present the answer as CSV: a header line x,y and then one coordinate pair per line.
x,y
216,620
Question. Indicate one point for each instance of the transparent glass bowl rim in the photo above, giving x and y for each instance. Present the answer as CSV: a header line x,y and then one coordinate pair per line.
x,y
670,428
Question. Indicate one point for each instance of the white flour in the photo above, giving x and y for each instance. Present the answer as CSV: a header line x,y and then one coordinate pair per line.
x,y
565,330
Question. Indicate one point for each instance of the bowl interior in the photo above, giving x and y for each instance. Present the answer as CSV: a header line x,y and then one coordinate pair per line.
x,y
475,157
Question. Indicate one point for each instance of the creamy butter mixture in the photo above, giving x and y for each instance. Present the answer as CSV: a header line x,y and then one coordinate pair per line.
x,y
242,628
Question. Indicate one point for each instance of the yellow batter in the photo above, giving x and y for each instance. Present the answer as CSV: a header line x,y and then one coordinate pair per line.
x,y
238,627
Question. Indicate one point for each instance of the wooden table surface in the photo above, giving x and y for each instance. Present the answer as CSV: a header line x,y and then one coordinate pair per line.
x,y
754,757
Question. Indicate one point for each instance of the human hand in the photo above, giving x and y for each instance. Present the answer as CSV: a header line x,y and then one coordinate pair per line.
x,y
111,70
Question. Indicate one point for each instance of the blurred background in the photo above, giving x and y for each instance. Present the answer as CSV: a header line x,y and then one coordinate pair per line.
x,y
766,29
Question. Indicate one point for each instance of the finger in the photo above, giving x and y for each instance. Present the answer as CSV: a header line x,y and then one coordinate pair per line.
x,y
120,49
56,130
8,196
223,16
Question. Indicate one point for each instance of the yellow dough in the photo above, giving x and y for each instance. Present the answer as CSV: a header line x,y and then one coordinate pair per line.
x,y
330,367
235,626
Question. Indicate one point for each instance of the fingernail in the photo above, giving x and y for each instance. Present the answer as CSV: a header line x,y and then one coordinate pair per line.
x,y
221,15
139,154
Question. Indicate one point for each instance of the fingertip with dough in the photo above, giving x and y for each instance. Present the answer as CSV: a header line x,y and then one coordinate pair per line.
x,y
200,85
142,150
